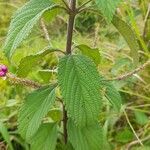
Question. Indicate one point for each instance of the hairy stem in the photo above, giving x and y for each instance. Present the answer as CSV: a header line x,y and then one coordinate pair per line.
x,y
21,81
45,31
130,74
122,77
72,14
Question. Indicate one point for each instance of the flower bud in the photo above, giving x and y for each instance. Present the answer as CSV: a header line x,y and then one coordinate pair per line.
x,y
3,70
2,74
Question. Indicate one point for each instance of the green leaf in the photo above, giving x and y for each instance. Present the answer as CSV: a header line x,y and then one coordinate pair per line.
x,y
92,53
86,138
141,118
45,75
129,36
5,135
107,8
50,15
79,84
45,138
56,114
27,63
111,93
23,21
124,136
36,106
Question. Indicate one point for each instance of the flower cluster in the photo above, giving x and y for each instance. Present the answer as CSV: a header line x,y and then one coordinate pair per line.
x,y
3,70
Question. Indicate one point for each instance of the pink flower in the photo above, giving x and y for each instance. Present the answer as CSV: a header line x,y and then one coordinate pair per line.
x,y
3,70
2,74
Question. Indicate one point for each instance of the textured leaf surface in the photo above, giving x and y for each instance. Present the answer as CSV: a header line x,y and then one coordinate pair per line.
x,y
36,106
5,135
27,63
45,138
111,94
129,36
86,138
107,8
79,83
92,53
23,21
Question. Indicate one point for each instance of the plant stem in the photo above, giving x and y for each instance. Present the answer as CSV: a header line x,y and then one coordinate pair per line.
x,y
71,20
65,124
72,14
128,121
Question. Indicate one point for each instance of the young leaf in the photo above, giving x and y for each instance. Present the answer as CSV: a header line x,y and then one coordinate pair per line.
x,y
124,136
5,135
27,63
86,138
92,53
35,107
56,114
45,138
79,84
107,8
23,21
129,36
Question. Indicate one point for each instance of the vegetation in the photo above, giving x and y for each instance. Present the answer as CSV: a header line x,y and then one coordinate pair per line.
x,y
75,75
